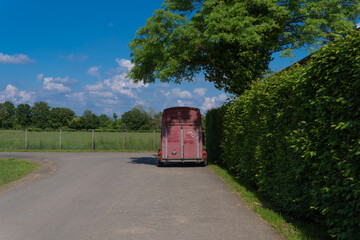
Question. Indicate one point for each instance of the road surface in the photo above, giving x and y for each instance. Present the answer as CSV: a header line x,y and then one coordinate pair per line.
x,y
125,196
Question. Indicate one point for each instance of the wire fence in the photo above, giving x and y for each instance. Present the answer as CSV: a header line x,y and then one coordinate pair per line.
x,y
79,141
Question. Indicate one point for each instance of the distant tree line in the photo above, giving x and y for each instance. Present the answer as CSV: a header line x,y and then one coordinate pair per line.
x,y
42,116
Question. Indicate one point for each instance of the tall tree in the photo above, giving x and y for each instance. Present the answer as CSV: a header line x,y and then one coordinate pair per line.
x,y
136,119
105,121
92,121
7,114
41,115
78,123
232,41
23,115
61,117
115,125
155,119
115,116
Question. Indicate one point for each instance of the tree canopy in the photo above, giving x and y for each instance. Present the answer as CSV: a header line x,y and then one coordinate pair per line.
x,y
232,42
41,116
136,119
61,117
23,114
7,113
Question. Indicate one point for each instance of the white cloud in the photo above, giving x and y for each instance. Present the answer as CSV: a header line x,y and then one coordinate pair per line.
x,y
26,96
99,89
177,93
140,102
118,83
64,80
125,63
56,84
358,25
15,59
108,111
75,57
94,71
200,91
108,102
184,103
163,85
39,77
209,103
78,98
124,66
108,94
180,103
213,102
11,90
12,93
222,97
95,88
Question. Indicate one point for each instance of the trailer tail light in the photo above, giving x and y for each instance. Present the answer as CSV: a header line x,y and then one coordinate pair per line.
x,y
159,155
204,154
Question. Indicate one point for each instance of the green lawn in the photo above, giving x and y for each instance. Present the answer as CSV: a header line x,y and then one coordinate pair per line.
x,y
79,141
293,229
13,169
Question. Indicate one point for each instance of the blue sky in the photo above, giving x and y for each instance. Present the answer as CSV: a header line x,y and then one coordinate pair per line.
x,y
75,54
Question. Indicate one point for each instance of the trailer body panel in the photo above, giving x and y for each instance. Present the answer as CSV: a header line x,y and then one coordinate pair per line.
x,y
182,135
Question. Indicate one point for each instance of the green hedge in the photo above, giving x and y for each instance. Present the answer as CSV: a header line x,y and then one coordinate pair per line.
x,y
214,125
296,137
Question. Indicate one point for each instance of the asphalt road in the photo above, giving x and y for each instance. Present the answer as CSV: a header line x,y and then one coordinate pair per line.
x,y
125,196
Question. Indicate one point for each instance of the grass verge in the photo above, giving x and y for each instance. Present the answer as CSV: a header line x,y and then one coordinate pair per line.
x,y
291,228
13,169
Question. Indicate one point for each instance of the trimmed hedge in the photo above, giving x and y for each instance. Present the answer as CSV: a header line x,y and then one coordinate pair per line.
x,y
296,137
214,125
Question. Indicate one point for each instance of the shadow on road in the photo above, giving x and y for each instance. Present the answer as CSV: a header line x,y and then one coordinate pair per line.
x,y
181,165
144,160
153,161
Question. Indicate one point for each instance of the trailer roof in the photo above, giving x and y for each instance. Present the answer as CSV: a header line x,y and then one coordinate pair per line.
x,y
182,108
181,115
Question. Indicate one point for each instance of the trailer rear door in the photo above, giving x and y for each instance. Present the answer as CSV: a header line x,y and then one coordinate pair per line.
x,y
172,142
182,142
190,142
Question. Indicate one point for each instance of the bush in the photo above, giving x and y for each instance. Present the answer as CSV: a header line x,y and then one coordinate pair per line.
x,y
34,129
296,137
214,125
330,139
106,130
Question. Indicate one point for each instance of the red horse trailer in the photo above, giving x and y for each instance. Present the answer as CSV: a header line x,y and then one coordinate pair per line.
x,y
182,138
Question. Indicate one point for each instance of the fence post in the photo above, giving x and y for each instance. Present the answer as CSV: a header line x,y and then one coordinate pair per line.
x,y
92,141
26,136
60,140
123,140
154,141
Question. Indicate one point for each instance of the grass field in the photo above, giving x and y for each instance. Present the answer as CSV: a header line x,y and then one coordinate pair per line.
x,y
79,141
13,169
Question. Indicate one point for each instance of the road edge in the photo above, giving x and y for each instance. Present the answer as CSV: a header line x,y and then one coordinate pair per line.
x,y
47,168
